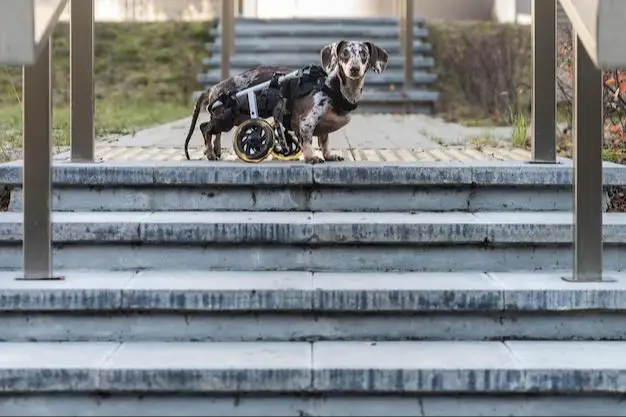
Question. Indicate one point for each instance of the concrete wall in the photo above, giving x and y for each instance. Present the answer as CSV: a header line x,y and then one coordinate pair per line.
x,y
152,10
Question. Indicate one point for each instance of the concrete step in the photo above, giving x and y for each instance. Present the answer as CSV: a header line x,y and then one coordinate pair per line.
x,y
185,305
313,45
372,33
240,62
314,241
384,98
367,22
347,186
315,229
323,378
389,77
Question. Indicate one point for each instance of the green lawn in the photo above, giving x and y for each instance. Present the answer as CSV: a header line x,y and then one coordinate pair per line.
x,y
111,119
144,76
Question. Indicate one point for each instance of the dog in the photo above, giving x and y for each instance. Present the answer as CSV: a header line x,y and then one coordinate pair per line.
x,y
221,121
317,113
325,111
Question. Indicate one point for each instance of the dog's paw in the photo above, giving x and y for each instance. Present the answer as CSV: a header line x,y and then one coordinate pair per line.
x,y
211,157
334,158
314,160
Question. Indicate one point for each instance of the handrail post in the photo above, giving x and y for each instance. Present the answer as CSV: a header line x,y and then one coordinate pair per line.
x,y
544,51
37,171
587,176
408,44
81,80
228,36
400,9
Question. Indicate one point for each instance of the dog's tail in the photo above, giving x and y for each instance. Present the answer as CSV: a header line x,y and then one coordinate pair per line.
x,y
196,112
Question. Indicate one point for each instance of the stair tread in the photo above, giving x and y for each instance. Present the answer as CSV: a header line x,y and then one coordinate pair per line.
x,y
353,174
358,292
391,76
318,218
405,366
243,61
340,31
314,229
321,21
309,45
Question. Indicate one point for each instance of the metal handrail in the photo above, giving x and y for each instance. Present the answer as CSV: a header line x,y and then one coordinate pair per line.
x,y
403,8
37,113
25,34
588,125
591,20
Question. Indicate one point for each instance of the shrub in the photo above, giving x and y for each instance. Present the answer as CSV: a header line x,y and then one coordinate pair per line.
x,y
484,70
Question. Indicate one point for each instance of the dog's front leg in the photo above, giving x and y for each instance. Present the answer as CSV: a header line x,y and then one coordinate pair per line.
x,y
305,134
322,140
305,128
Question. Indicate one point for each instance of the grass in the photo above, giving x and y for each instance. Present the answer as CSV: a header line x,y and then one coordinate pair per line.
x,y
145,74
111,119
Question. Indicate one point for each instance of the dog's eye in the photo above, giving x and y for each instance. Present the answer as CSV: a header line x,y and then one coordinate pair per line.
x,y
345,53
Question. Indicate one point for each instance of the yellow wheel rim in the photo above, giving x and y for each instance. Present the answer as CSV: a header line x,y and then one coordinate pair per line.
x,y
280,157
245,125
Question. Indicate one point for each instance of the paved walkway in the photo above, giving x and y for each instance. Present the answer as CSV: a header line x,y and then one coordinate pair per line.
x,y
379,137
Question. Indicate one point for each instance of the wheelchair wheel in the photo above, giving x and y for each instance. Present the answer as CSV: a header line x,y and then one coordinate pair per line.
x,y
254,140
292,153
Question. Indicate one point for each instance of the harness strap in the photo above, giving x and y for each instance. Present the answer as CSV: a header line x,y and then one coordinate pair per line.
x,y
312,78
338,100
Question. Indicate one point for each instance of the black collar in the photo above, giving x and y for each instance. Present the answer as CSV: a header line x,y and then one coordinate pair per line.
x,y
337,99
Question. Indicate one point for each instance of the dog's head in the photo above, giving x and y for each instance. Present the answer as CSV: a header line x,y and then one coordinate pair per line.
x,y
354,58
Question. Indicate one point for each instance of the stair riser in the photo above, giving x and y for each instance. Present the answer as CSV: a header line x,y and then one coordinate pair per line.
x,y
321,21
305,199
393,48
228,327
331,259
357,33
242,63
295,24
394,77
63,404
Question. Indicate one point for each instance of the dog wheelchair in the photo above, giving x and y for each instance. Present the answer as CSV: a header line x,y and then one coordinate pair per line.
x,y
256,139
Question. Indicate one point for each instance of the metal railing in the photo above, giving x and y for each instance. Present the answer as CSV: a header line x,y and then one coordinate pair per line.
x,y
404,9
588,124
587,17
39,17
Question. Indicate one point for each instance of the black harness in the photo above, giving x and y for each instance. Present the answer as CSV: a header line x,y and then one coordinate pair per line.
x,y
311,78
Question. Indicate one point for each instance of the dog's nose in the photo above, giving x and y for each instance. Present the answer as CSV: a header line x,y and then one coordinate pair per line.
x,y
354,71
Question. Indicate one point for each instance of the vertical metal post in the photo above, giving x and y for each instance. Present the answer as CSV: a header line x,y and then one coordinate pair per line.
x,y
408,44
400,9
228,35
233,44
81,80
37,171
588,143
544,34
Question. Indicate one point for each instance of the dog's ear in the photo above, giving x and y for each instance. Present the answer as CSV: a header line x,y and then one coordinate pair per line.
x,y
329,55
378,58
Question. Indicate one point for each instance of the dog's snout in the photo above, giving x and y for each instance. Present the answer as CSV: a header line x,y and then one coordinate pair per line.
x,y
355,71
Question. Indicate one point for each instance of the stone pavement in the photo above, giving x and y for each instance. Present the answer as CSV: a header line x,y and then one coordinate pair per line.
x,y
371,137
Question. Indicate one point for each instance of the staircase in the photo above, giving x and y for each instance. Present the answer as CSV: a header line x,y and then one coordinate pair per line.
x,y
296,43
286,289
